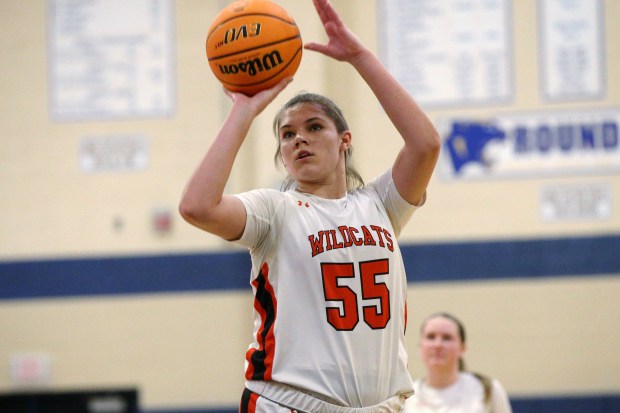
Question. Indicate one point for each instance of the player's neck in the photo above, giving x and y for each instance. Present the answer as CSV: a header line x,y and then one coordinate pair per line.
x,y
441,378
328,191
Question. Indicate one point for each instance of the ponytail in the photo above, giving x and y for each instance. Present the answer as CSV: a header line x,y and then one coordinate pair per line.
x,y
487,385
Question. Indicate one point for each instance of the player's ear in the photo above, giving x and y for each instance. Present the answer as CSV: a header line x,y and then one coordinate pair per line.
x,y
345,140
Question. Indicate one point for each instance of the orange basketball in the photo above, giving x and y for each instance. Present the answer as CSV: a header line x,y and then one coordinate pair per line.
x,y
252,45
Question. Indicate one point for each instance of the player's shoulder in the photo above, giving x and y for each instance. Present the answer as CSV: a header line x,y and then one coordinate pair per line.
x,y
261,194
470,380
381,191
381,186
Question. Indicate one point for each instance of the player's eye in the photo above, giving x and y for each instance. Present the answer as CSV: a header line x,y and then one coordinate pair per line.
x,y
447,337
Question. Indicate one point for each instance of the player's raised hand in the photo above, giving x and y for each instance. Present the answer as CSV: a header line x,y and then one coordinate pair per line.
x,y
261,100
343,44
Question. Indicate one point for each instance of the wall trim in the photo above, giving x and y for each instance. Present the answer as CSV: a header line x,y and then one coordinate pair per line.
x,y
429,262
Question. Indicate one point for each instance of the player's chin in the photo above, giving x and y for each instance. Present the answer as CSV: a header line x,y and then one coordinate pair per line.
x,y
305,170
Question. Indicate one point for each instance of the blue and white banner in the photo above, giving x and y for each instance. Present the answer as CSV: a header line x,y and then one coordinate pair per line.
x,y
538,144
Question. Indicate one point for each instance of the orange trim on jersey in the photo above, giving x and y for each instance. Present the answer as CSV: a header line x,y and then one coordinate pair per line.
x,y
260,360
405,317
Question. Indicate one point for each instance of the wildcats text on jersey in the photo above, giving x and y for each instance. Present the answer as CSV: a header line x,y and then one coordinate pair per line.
x,y
346,236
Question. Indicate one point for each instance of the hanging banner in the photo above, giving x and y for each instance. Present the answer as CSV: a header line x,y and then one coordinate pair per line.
x,y
536,145
449,52
572,41
111,59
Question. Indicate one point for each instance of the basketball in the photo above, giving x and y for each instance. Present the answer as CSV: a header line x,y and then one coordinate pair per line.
x,y
252,45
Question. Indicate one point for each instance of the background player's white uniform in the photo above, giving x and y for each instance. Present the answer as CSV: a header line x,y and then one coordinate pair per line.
x,y
330,292
466,395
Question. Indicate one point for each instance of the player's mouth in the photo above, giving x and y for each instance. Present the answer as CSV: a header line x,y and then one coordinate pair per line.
x,y
303,154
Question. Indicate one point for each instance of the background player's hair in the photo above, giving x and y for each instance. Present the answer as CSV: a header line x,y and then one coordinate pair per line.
x,y
331,110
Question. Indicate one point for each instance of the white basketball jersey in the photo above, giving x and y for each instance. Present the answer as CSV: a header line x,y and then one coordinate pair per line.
x,y
330,292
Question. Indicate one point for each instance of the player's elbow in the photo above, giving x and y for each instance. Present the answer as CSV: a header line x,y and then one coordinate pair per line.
x,y
431,146
185,211
193,212
225,219
434,142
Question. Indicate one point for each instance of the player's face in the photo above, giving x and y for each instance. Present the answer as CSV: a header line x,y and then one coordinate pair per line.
x,y
312,150
441,346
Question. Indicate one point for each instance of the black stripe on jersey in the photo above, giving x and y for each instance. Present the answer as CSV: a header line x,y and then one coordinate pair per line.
x,y
245,401
265,299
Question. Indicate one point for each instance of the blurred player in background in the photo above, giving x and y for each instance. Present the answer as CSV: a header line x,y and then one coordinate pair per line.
x,y
448,387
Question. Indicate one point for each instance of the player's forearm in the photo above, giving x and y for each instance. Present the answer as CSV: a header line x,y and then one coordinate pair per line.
x,y
414,165
411,122
205,188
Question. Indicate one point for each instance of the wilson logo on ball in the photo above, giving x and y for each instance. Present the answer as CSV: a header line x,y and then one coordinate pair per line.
x,y
254,66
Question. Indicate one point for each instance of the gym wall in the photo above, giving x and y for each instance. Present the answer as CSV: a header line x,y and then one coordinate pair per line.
x,y
95,294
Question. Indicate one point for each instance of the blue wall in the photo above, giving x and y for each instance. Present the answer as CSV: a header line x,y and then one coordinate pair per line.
x,y
230,271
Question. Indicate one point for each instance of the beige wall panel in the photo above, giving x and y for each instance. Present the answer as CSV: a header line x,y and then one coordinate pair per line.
x,y
178,350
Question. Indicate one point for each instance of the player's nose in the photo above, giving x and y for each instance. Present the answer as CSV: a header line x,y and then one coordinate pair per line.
x,y
299,138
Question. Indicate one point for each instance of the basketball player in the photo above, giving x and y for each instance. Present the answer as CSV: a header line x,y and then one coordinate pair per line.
x,y
327,274
448,387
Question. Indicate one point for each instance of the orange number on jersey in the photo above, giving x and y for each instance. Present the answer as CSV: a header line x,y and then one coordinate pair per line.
x,y
346,319
341,293
376,317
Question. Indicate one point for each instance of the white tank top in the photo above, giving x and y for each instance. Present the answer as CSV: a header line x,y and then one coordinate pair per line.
x,y
330,292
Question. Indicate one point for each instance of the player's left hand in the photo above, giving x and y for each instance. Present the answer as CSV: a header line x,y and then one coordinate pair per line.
x,y
343,44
